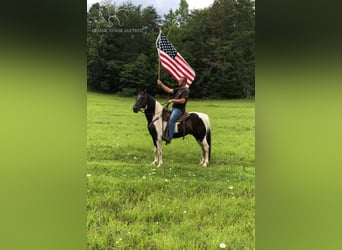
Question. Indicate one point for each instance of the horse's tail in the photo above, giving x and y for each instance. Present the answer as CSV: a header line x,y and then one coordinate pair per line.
x,y
209,140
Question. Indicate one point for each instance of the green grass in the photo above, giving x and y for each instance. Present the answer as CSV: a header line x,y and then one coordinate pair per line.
x,y
133,205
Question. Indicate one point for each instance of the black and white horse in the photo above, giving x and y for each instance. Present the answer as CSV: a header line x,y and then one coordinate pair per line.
x,y
196,124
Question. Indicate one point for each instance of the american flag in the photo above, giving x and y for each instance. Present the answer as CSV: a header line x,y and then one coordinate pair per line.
x,y
172,61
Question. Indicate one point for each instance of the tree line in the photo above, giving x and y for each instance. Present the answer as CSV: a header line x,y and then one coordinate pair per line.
x,y
218,42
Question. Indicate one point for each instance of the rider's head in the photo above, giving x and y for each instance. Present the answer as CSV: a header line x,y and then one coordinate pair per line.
x,y
182,81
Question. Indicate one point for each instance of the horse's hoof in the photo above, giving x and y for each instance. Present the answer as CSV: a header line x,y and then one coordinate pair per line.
x,y
159,165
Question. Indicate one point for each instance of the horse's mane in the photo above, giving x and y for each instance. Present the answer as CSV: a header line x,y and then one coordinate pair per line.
x,y
155,101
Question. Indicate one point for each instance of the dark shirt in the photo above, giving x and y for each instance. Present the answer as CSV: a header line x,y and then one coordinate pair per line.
x,y
181,93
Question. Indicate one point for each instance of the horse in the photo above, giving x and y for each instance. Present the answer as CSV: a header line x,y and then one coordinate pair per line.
x,y
196,124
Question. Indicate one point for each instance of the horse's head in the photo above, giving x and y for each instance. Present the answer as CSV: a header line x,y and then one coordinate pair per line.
x,y
140,102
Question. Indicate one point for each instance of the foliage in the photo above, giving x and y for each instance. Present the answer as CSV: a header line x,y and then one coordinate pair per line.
x,y
218,42
132,205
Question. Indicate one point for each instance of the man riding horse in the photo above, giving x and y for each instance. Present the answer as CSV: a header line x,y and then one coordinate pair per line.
x,y
197,124
179,103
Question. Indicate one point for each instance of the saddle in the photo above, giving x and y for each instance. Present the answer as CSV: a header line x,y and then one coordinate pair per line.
x,y
167,113
166,117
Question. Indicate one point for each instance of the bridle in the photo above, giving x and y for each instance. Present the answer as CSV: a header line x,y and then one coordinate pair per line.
x,y
142,110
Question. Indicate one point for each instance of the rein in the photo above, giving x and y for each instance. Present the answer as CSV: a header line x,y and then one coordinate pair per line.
x,y
142,110
165,105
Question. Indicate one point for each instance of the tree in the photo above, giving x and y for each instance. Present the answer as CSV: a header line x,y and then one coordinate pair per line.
x,y
218,42
223,48
182,13
115,46
137,75
244,46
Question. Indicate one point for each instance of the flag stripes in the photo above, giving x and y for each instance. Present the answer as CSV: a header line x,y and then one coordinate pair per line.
x,y
173,62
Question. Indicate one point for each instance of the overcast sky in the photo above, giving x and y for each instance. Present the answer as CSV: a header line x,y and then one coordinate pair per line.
x,y
162,6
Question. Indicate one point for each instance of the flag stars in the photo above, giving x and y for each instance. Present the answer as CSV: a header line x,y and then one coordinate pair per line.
x,y
167,47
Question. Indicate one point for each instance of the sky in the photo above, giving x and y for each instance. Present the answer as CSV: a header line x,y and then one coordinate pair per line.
x,y
162,6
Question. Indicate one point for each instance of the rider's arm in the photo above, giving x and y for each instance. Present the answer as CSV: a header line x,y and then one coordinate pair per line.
x,y
178,101
164,87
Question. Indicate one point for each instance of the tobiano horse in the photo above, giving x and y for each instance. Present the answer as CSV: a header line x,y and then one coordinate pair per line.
x,y
195,123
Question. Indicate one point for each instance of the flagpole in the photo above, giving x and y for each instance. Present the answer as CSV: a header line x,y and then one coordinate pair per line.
x,y
158,67
158,41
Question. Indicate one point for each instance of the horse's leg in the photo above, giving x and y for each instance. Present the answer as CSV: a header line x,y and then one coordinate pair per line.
x,y
205,152
159,152
202,156
154,129
155,148
155,156
154,139
158,143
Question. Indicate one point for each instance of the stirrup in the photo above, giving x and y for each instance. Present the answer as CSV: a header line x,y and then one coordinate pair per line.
x,y
166,138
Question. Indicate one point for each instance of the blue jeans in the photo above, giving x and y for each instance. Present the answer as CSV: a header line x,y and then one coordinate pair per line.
x,y
175,114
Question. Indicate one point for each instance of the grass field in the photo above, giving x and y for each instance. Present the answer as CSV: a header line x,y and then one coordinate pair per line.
x,y
133,205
